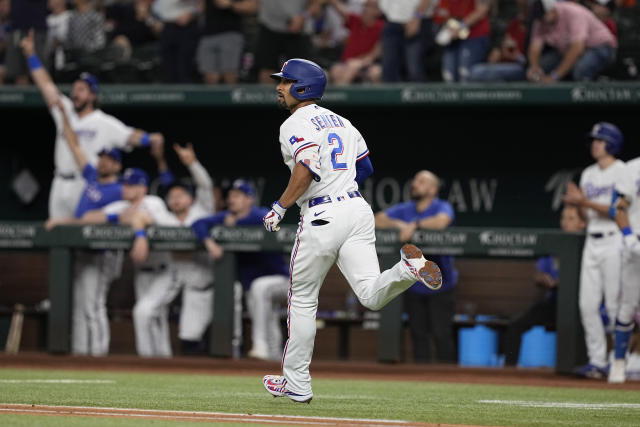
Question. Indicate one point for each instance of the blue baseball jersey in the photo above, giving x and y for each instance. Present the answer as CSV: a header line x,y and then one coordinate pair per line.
x,y
548,264
96,195
407,212
250,265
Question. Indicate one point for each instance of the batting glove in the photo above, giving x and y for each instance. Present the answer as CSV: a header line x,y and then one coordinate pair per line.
x,y
631,242
273,218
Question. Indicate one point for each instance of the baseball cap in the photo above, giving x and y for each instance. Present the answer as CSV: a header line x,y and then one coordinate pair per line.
x,y
244,186
114,153
135,176
91,80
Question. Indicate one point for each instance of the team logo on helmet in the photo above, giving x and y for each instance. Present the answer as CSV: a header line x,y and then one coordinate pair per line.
x,y
284,66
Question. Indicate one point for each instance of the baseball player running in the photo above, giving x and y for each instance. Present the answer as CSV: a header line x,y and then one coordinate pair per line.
x,y
601,257
95,130
264,275
194,273
328,158
94,270
625,209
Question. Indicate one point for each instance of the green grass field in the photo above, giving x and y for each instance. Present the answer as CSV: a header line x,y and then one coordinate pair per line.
x,y
391,400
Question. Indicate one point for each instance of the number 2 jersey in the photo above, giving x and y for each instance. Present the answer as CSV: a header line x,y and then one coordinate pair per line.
x,y
328,145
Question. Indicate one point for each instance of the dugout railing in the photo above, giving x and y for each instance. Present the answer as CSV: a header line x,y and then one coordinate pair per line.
x,y
459,241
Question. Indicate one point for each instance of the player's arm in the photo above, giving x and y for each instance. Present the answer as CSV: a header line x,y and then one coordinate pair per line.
x,y
299,181
436,222
364,169
382,220
202,179
39,74
71,138
140,247
201,230
141,138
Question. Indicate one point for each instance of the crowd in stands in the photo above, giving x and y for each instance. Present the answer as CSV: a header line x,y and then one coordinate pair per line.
x,y
356,41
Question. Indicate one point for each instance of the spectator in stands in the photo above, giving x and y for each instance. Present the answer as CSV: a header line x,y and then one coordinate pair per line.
x,y
264,275
582,46
58,27
362,49
4,35
179,38
283,33
403,39
603,9
23,16
133,26
86,29
508,61
465,35
430,312
543,311
220,49
329,35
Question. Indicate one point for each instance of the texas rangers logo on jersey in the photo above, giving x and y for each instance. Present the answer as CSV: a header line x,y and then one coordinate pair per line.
x,y
293,139
593,191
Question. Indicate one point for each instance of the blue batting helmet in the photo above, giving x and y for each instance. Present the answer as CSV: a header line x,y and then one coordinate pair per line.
x,y
135,176
307,75
610,134
91,81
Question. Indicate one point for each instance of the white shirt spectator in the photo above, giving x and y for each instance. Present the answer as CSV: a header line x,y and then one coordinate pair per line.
x,y
399,11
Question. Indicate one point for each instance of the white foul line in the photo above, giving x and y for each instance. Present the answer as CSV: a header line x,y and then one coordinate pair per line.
x,y
213,416
58,381
567,405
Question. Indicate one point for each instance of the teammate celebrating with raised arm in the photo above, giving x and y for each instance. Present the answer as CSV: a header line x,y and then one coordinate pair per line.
x,y
328,158
95,131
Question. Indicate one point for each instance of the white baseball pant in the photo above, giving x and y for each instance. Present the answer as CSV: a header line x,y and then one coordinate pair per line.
x,y
155,288
64,196
196,280
266,295
94,273
600,276
630,292
348,238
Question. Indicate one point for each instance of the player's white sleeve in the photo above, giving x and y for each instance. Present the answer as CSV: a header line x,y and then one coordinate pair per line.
x,y
67,104
625,184
118,132
116,207
204,186
300,144
159,212
363,150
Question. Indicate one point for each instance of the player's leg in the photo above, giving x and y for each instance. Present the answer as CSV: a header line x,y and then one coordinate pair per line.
x,y
358,260
143,315
416,307
312,256
265,296
196,311
95,305
162,291
590,297
79,327
441,309
278,292
630,294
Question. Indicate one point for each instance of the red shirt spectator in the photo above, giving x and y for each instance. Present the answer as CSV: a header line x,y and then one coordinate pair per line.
x,y
361,38
459,9
517,30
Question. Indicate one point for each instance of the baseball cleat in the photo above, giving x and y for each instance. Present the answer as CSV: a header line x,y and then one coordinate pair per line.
x,y
616,372
591,371
423,270
276,385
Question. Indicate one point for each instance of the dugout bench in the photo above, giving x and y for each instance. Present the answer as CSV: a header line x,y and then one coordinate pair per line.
x,y
457,241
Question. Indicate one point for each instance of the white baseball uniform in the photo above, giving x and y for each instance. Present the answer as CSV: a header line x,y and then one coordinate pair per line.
x,y
194,271
336,224
629,186
95,131
154,285
601,260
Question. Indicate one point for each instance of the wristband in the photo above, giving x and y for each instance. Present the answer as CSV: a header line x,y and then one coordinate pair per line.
x,y
612,212
627,231
140,233
34,62
555,76
112,218
145,140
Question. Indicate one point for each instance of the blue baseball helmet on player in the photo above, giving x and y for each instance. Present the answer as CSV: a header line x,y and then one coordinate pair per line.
x,y
91,81
135,176
308,76
610,134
